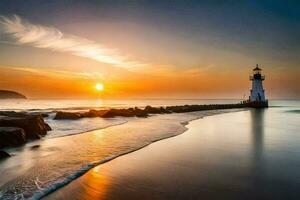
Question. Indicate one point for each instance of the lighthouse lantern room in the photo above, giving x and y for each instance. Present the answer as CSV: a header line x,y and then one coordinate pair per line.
x,y
257,93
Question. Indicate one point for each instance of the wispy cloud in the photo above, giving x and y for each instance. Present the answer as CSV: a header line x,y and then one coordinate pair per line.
x,y
25,33
54,73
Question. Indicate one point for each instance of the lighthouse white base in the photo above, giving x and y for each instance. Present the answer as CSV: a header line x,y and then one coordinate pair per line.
x,y
257,92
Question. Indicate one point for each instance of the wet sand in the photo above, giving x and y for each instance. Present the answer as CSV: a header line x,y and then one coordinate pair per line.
x,y
36,172
227,156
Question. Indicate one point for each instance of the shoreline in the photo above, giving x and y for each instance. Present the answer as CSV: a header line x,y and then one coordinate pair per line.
x,y
148,110
90,130
25,128
61,184
233,156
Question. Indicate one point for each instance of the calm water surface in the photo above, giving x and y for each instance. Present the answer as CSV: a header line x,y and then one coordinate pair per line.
x,y
252,145
32,173
251,154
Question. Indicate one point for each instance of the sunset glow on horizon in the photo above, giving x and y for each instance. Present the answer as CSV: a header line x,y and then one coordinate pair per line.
x,y
142,49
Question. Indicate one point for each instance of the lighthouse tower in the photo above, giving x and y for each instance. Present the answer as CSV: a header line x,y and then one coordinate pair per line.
x,y
257,93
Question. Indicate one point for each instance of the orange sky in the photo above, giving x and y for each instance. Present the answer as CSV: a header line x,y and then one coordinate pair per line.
x,y
178,84
141,55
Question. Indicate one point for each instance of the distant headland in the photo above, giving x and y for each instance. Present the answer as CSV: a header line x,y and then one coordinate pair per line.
x,y
7,94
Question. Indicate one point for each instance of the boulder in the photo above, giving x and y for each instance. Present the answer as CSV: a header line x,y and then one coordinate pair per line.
x,y
4,154
94,113
35,146
32,124
45,115
13,114
129,112
140,113
11,136
67,115
119,112
153,110
164,110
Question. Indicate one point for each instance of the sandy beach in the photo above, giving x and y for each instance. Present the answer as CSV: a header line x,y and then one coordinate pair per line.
x,y
51,163
206,162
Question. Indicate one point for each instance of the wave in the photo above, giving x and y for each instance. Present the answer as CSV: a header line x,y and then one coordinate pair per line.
x,y
86,130
62,128
39,191
61,183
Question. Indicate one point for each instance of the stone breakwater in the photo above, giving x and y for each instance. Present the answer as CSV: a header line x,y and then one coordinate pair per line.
x,y
16,128
143,112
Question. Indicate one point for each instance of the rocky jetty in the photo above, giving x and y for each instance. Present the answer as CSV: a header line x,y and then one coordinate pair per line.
x,y
18,127
193,108
130,112
156,110
7,94
138,112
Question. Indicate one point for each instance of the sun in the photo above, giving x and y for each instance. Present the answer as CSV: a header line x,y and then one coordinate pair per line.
x,y
99,87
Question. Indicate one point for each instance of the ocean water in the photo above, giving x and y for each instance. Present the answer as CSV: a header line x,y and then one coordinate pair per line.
x,y
246,155
85,104
68,150
71,127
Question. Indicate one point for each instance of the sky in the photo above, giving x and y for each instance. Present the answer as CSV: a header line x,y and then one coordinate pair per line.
x,y
149,49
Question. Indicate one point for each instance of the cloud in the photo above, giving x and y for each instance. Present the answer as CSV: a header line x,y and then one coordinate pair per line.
x,y
25,33
54,73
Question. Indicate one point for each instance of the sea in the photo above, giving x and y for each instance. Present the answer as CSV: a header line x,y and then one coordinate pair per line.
x,y
75,146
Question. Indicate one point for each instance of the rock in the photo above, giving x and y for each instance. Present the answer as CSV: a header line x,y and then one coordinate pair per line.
x,y
13,114
140,113
94,113
35,146
11,136
153,110
17,127
67,115
45,115
4,154
164,110
156,110
32,124
132,112
119,112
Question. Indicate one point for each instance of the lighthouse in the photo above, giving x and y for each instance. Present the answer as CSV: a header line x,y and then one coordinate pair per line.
x,y
257,93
